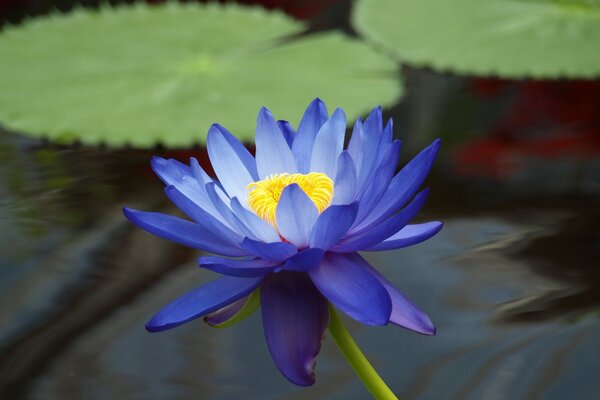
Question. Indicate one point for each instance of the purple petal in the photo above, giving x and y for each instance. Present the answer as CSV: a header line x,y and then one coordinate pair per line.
x,y
408,236
229,167
201,301
273,155
370,237
404,185
345,180
314,117
202,217
295,316
182,231
244,268
328,145
226,313
288,131
305,260
331,225
295,215
276,251
404,312
352,289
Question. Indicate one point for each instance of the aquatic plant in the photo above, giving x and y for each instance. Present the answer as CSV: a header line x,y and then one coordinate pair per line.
x,y
287,226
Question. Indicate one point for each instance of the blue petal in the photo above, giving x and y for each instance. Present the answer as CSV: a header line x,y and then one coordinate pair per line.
x,y
273,155
198,302
259,227
374,121
288,132
331,225
380,181
408,236
404,185
226,313
169,171
345,180
182,231
245,267
229,167
202,217
295,316
188,181
328,145
278,251
314,117
305,260
295,215
404,312
352,289
355,143
370,237
226,213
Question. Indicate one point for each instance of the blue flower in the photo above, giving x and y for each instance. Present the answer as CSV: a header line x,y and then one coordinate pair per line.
x,y
291,221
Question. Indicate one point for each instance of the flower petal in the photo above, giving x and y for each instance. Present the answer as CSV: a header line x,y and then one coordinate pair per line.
x,y
234,312
305,260
352,289
182,231
259,227
328,145
408,236
201,216
188,180
169,171
201,301
331,225
230,162
245,267
295,215
403,186
226,213
276,251
273,155
288,131
380,181
345,180
314,117
370,237
295,316
404,312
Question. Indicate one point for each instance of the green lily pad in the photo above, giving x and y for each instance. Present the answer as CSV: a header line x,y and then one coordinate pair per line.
x,y
506,38
138,75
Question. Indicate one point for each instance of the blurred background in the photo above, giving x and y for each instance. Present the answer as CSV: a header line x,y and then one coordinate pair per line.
x,y
512,282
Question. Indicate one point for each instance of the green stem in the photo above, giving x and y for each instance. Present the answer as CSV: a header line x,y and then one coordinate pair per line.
x,y
357,359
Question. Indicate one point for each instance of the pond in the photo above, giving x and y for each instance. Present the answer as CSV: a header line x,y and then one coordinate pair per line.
x,y
511,283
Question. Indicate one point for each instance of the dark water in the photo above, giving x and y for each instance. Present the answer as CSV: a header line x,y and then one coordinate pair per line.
x,y
512,283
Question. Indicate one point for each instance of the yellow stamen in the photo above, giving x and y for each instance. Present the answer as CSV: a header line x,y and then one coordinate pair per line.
x,y
264,195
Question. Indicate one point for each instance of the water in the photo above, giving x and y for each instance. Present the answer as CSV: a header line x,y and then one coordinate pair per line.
x,y
511,283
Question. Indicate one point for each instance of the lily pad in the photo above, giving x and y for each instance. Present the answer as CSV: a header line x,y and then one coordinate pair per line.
x,y
140,75
506,38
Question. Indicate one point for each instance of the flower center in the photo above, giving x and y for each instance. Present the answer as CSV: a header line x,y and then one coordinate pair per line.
x,y
264,195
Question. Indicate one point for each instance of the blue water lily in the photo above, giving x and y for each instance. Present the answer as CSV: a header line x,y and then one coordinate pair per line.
x,y
290,222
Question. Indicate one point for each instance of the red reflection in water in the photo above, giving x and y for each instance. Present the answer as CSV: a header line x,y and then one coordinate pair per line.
x,y
548,120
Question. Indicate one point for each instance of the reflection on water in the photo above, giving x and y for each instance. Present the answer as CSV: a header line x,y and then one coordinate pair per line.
x,y
511,283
